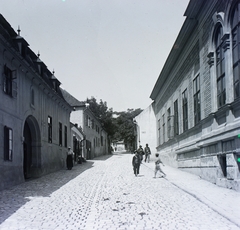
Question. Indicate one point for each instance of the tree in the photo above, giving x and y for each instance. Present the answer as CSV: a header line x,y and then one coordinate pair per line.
x,y
125,127
103,114
120,128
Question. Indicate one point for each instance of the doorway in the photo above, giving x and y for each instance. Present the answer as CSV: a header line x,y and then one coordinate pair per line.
x,y
31,148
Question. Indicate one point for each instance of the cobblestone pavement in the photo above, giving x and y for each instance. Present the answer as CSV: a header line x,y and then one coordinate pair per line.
x,y
104,194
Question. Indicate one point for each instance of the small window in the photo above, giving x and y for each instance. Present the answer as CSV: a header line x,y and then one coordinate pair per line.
x,y
235,24
9,85
169,127
196,98
8,143
60,133
32,97
65,136
49,129
220,67
163,127
185,110
159,131
176,125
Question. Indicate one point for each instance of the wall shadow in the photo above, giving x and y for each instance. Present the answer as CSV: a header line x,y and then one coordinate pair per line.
x,y
15,197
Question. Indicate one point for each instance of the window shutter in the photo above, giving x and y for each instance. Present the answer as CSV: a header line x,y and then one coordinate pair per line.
x,y
6,143
4,83
14,89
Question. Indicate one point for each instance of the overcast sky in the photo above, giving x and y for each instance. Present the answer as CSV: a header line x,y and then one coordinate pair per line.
x,y
113,50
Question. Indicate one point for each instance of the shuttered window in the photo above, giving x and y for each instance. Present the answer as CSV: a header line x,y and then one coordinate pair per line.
x,y
8,143
9,83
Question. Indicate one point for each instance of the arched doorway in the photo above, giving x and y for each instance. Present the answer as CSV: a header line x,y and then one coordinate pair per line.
x,y
31,148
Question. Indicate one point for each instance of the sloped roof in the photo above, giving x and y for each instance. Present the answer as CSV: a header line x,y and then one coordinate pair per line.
x,y
71,100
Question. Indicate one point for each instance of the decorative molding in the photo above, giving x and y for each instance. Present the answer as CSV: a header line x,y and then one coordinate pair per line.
x,y
226,41
210,58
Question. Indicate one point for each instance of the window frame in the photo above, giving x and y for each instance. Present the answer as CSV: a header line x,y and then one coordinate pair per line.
x,y
8,144
197,99
163,127
9,85
220,66
49,129
185,109
235,31
60,133
176,123
65,136
159,131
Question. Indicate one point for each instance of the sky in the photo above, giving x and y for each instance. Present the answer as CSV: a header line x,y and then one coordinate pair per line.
x,y
112,50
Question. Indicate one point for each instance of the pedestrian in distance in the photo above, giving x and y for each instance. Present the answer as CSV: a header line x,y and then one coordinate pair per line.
x,y
136,161
140,152
70,155
147,153
157,166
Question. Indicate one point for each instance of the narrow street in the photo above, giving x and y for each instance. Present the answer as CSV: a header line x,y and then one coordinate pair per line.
x,y
104,194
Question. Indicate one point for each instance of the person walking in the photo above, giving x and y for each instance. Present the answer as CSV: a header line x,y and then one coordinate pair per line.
x,y
147,152
136,161
140,152
70,155
157,166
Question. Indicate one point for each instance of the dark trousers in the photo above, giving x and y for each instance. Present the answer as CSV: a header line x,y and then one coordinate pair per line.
x,y
136,169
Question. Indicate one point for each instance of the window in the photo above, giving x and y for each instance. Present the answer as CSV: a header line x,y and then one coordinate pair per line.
x,y
220,67
86,121
196,99
65,136
176,125
32,97
49,129
163,127
9,86
169,122
8,143
159,131
60,133
235,24
185,110
89,122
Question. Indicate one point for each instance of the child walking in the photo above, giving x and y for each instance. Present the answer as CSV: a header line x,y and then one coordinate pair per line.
x,y
157,166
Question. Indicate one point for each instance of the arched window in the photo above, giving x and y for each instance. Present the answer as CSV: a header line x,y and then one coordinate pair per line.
x,y
220,67
235,25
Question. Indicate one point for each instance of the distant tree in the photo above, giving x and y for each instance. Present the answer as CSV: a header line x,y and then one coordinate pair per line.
x,y
119,127
125,126
103,114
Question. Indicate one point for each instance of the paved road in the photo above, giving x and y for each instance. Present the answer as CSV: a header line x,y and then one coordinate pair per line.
x,y
104,194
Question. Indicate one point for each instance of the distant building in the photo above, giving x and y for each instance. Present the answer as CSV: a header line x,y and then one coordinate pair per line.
x,y
96,138
77,143
146,128
197,95
118,146
34,117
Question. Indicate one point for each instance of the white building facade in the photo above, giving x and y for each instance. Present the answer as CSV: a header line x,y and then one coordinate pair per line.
x,y
146,128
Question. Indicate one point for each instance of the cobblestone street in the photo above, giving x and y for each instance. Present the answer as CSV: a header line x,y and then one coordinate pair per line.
x,y
104,194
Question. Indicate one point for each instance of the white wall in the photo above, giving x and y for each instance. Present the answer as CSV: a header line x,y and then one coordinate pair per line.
x,y
146,122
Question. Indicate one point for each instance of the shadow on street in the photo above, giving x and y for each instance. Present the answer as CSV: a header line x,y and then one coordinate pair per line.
x,y
15,197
